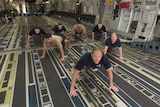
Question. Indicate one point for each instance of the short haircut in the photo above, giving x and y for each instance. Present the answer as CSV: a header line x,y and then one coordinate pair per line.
x,y
60,23
78,22
36,27
113,34
96,48
47,35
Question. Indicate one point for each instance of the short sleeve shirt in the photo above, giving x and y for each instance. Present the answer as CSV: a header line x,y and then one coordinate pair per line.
x,y
57,40
32,31
109,43
86,60
96,30
56,30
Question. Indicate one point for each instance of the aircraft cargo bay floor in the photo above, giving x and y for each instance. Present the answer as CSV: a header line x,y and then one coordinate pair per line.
x,y
28,81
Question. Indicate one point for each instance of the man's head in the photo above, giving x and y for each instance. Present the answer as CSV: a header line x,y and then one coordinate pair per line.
x,y
37,30
60,25
79,24
96,55
99,25
113,37
48,39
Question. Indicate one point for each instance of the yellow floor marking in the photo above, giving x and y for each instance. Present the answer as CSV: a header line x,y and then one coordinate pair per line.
x,y
11,79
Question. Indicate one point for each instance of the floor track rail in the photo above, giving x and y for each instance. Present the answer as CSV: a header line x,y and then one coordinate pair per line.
x,y
44,93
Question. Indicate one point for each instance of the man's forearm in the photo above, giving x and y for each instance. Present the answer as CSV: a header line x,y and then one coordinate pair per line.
x,y
105,49
92,36
65,34
28,41
52,33
110,76
120,51
105,35
62,52
44,50
74,78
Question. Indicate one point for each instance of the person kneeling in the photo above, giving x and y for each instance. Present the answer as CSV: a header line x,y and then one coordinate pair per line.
x,y
53,40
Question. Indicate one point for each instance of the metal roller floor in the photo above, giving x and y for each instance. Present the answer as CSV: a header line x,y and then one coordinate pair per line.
x,y
28,81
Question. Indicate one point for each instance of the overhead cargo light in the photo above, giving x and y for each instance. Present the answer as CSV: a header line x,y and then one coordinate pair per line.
x,y
47,2
78,3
